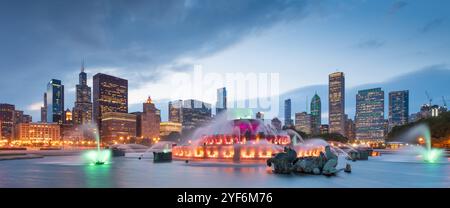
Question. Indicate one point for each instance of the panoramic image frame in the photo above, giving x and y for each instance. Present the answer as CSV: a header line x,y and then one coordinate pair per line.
x,y
224,94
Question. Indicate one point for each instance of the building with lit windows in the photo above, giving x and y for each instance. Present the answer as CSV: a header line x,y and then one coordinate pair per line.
x,y
68,117
150,120
369,119
349,128
303,122
175,114
316,113
82,110
38,132
190,113
110,94
117,127
221,104
55,102
324,129
167,128
7,118
287,113
398,108
336,103
195,114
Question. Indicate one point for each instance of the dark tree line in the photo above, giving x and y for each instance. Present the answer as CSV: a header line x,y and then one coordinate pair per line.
x,y
439,127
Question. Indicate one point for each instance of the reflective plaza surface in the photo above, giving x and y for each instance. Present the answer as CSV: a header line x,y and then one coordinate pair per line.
x,y
71,171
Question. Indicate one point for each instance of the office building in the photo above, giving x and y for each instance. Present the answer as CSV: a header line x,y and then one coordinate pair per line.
x,y
37,133
287,113
316,113
221,104
336,105
110,94
369,119
118,127
303,122
82,110
150,120
7,120
398,108
44,110
55,102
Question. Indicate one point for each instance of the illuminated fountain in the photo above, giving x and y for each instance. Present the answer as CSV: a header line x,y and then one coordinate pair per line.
x,y
97,156
420,134
241,140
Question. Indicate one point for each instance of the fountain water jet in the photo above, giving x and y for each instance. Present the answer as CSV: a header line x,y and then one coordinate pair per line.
x,y
97,156
422,134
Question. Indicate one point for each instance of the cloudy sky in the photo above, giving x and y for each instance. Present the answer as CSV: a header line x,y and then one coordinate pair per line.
x,y
148,41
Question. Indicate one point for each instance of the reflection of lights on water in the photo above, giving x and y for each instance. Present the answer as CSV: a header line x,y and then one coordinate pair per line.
x,y
98,156
432,155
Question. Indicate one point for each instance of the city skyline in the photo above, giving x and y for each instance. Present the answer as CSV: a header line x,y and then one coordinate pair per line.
x,y
384,48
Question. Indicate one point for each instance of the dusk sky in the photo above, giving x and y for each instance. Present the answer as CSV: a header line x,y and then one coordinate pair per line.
x,y
147,42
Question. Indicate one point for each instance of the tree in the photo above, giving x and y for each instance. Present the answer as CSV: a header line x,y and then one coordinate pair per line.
x,y
439,127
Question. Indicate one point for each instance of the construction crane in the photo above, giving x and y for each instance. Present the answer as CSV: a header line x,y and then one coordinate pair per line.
x,y
429,98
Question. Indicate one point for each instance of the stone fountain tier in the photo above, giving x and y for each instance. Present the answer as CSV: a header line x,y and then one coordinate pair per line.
x,y
287,162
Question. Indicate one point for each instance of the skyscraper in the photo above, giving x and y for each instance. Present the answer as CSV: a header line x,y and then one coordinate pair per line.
x,y
303,122
349,128
55,101
150,120
195,114
221,104
82,110
118,127
44,110
336,105
7,120
369,119
110,95
191,113
287,113
175,114
316,113
398,108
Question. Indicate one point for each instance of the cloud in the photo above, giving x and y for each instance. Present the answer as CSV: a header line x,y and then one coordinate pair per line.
x,y
139,39
396,6
433,78
431,25
35,106
370,44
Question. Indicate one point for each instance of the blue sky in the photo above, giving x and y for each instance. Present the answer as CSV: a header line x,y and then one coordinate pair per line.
x,y
147,41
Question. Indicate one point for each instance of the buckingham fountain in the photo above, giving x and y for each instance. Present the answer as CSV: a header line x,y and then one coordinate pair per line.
x,y
246,140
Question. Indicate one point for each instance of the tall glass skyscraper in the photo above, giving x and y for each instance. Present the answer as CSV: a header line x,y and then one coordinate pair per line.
x,y
398,108
369,119
110,95
7,121
336,105
316,112
55,101
44,110
82,111
287,112
221,104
